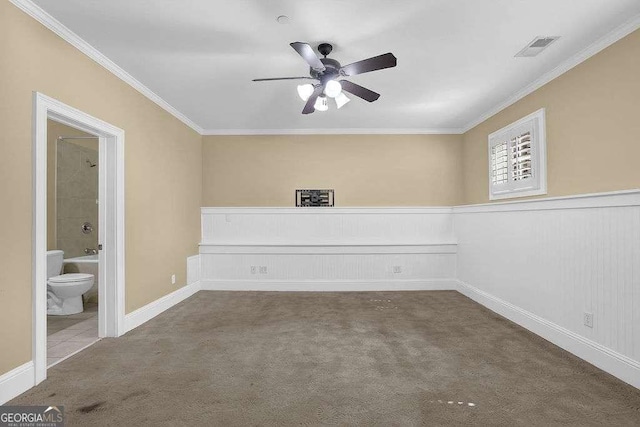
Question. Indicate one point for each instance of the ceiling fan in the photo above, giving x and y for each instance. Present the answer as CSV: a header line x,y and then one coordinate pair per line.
x,y
327,71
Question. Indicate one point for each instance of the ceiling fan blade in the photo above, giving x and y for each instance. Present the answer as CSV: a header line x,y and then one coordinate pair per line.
x,y
372,64
283,78
359,91
311,102
308,55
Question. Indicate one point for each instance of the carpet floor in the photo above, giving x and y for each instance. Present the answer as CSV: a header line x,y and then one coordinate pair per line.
x,y
375,358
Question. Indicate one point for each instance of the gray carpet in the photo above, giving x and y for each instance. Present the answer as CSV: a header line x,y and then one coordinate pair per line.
x,y
380,358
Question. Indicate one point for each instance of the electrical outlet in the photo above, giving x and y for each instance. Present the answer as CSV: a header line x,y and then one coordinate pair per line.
x,y
263,269
173,279
254,269
397,269
588,319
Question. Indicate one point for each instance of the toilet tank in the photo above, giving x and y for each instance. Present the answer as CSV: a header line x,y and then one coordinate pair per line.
x,y
54,263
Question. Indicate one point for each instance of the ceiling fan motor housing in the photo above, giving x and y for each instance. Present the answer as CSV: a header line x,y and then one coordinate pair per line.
x,y
331,71
325,49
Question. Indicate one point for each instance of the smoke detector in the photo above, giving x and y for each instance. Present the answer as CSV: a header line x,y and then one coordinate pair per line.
x,y
538,44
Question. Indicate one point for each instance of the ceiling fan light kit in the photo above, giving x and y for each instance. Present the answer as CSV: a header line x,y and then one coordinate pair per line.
x,y
341,100
305,91
321,103
326,72
333,88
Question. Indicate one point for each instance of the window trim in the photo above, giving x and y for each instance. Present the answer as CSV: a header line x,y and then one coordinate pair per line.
x,y
537,123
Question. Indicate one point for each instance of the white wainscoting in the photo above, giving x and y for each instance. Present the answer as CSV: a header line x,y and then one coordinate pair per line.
x,y
327,249
193,269
544,263
326,226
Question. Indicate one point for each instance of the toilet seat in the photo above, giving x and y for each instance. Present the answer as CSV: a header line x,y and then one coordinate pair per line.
x,y
70,278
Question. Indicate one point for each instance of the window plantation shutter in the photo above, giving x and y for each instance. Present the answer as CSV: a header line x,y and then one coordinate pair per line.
x,y
521,157
499,163
517,158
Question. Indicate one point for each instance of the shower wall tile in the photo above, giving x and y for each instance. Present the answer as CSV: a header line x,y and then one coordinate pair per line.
x,y
76,195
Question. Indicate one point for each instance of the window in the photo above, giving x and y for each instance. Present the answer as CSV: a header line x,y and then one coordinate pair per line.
x,y
517,159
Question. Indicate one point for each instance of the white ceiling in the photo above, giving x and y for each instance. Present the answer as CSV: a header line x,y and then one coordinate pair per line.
x,y
455,57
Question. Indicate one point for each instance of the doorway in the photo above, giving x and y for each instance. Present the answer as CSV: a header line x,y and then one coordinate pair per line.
x,y
73,265
109,248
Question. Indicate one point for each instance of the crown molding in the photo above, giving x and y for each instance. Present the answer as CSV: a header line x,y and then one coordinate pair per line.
x,y
355,131
72,38
601,44
40,15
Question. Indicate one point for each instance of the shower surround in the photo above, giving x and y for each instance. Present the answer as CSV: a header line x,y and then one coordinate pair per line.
x,y
76,196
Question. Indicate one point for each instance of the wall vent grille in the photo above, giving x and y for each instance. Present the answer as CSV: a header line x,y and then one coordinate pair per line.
x,y
314,198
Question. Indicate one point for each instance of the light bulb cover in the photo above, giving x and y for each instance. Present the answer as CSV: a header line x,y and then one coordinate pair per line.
x,y
305,91
321,104
333,88
341,100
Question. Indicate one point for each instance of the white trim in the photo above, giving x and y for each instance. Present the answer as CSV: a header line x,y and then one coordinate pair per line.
x,y
601,44
433,248
16,381
39,241
618,365
151,310
327,211
193,269
329,286
535,124
602,199
518,194
72,38
111,222
40,15
580,201
352,131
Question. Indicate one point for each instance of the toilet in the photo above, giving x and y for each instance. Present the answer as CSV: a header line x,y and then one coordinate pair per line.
x,y
64,291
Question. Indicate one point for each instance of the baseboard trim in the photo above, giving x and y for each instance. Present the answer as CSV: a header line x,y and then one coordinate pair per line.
x,y
16,381
616,364
330,285
151,310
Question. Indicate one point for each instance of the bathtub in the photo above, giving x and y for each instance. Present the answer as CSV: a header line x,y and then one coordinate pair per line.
x,y
85,264
86,259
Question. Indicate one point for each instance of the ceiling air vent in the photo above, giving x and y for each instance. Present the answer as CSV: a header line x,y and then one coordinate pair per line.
x,y
536,46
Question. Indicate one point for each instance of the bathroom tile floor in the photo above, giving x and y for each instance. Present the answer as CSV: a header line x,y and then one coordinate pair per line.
x,y
58,323
66,335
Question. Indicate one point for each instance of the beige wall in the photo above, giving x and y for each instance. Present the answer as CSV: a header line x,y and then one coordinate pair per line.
x,y
593,127
54,130
162,168
364,170
593,145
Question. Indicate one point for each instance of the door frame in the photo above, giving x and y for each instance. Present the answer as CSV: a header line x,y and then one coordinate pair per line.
x,y
111,227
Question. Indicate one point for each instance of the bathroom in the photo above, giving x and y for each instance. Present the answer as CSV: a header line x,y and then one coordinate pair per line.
x,y
72,241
